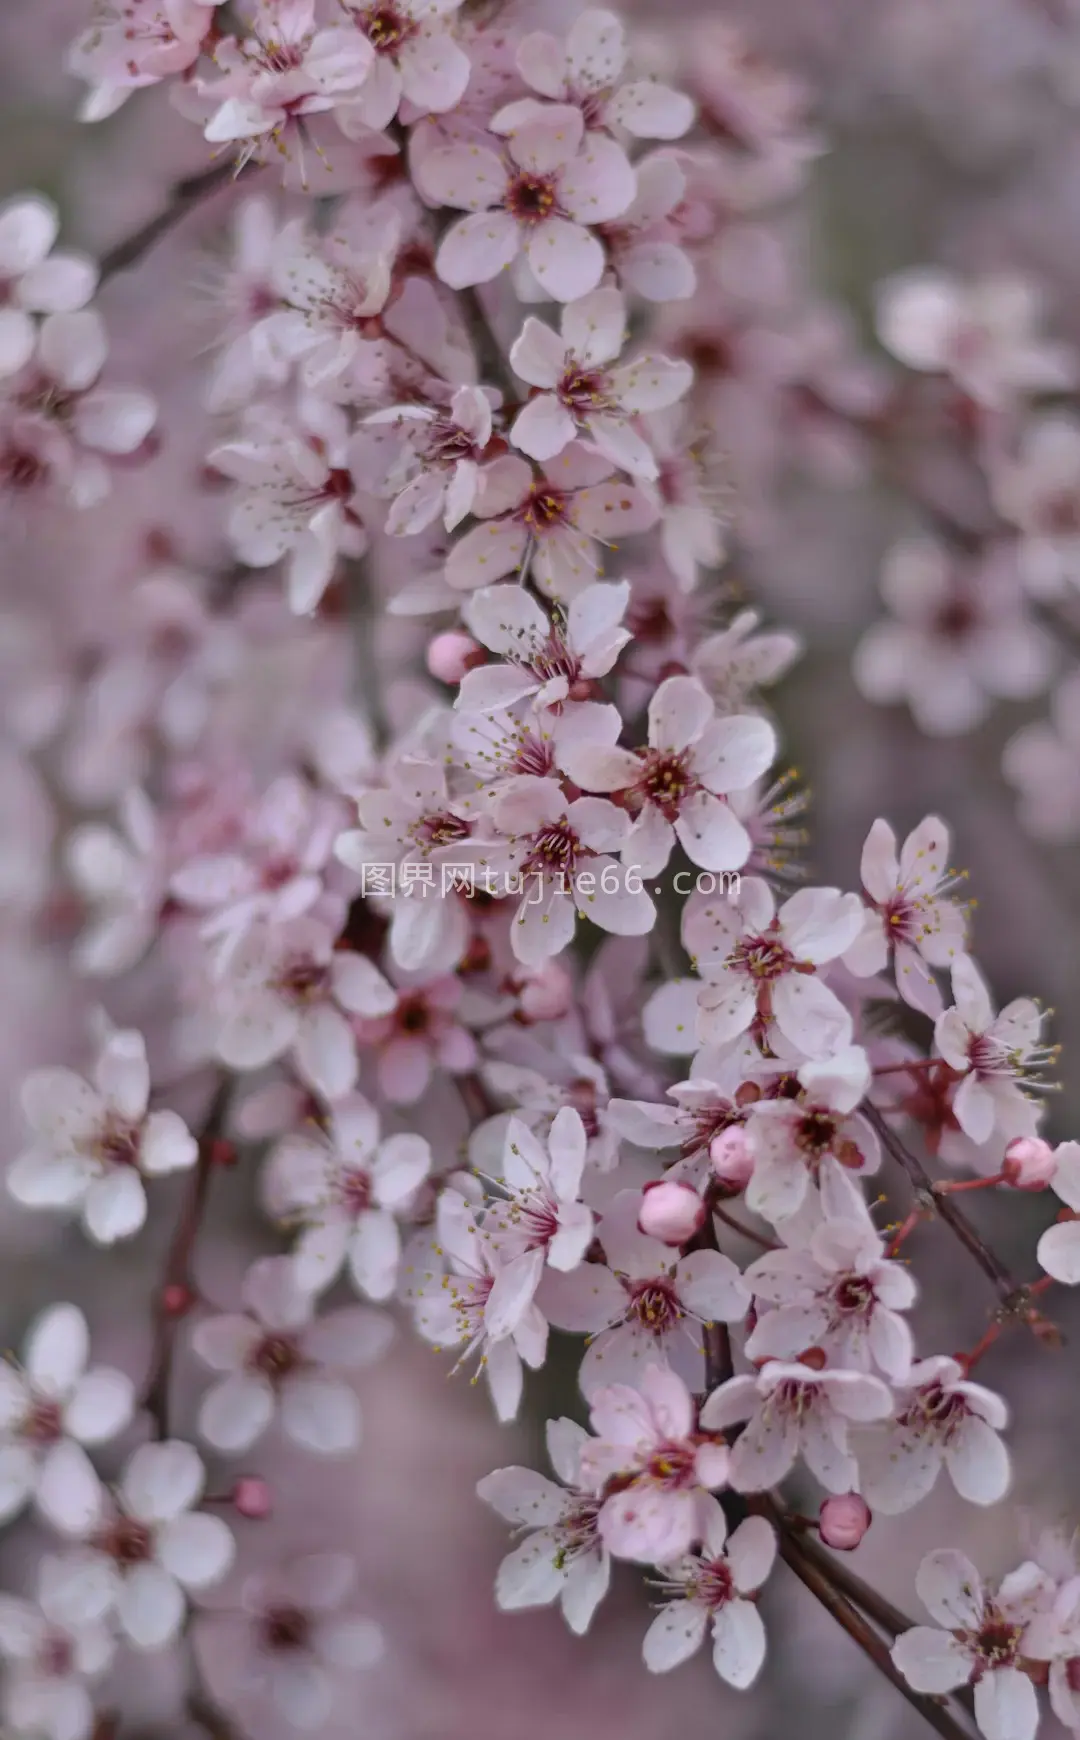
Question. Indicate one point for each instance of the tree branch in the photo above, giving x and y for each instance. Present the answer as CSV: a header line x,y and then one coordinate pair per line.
x,y
184,197
178,1263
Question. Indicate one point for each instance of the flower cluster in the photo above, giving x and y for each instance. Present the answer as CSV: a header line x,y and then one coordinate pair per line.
x,y
422,705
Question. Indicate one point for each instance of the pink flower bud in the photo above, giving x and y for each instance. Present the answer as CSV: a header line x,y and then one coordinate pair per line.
x,y
670,1211
252,1498
1029,1163
843,1521
450,655
176,1299
546,994
732,1160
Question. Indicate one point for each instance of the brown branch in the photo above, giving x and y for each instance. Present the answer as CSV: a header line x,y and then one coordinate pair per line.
x,y
875,1605
178,1263
184,197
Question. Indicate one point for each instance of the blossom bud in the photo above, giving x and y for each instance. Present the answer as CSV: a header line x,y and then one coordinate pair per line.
x,y
670,1211
843,1521
732,1160
546,994
1029,1163
450,655
252,1498
176,1299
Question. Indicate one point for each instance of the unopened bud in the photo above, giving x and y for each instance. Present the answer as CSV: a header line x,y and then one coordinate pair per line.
x,y
252,1498
450,655
670,1211
176,1299
731,1158
547,994
843,1521
1029,1163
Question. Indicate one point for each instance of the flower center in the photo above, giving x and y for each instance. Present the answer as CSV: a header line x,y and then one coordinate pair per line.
x,y
283,1629
956,619
386,28
56,1656
672,1465
854,1296
666,781
117,1144
543,509
127,1542
531,198
555,851
761,957
279,57
581,1094
712,1585
413,1014
354,1189
43,1424
997,1642
275,1357
304,981
443,829
655,1304
815,1133
583,390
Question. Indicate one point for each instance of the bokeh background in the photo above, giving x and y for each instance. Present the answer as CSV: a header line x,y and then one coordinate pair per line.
x,y
951,133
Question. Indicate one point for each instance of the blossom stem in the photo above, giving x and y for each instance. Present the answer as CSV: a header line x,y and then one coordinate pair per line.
x,y
178,1262
744,1232
185,196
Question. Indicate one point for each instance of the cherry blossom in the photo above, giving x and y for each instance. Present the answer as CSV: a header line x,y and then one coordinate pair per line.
x,y
941,1419
982,1641
550,522
581,391
415,57
1039,491
548,659
296,498
643,241
739,660
996,1055
51,1404
293,1645
345,1188
287,69
279,1358
715,1588
136,44
645,1304
433,471
659,1466
541,1220
329,293
465,1303
760,963
34,279
423,1033
53,1654
911,916
1059,1247
95,1141
814,1138
984,335
677,785
792,1409
1042,760
562,1557
145,1547
554,183
587,71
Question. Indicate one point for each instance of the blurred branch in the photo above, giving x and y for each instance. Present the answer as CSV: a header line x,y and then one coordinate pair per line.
x,y
185,196
178,1263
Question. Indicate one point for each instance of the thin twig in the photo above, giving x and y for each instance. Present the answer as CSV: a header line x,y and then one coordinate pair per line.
x,y
178,1263
184,197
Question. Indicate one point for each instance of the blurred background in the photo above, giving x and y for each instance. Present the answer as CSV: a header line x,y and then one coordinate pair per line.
x,y
944,131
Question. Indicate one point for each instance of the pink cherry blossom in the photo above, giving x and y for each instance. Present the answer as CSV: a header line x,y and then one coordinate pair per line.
x,y
135,44
427,459
808,1140
542,197
997,1055
760,963
664,1468
562,1557
95,1141
911,914
715,1588
587,71
53,1654
421,1034
677,786
548,659
51,1405
645,1304
941,1419
541,1220
329,293
739,660
1038,490
643,242
285,989
1059,1247
279,1358
416,58
296,497
794,1410
345,1189
580,390
981,1641
34,279
549,522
